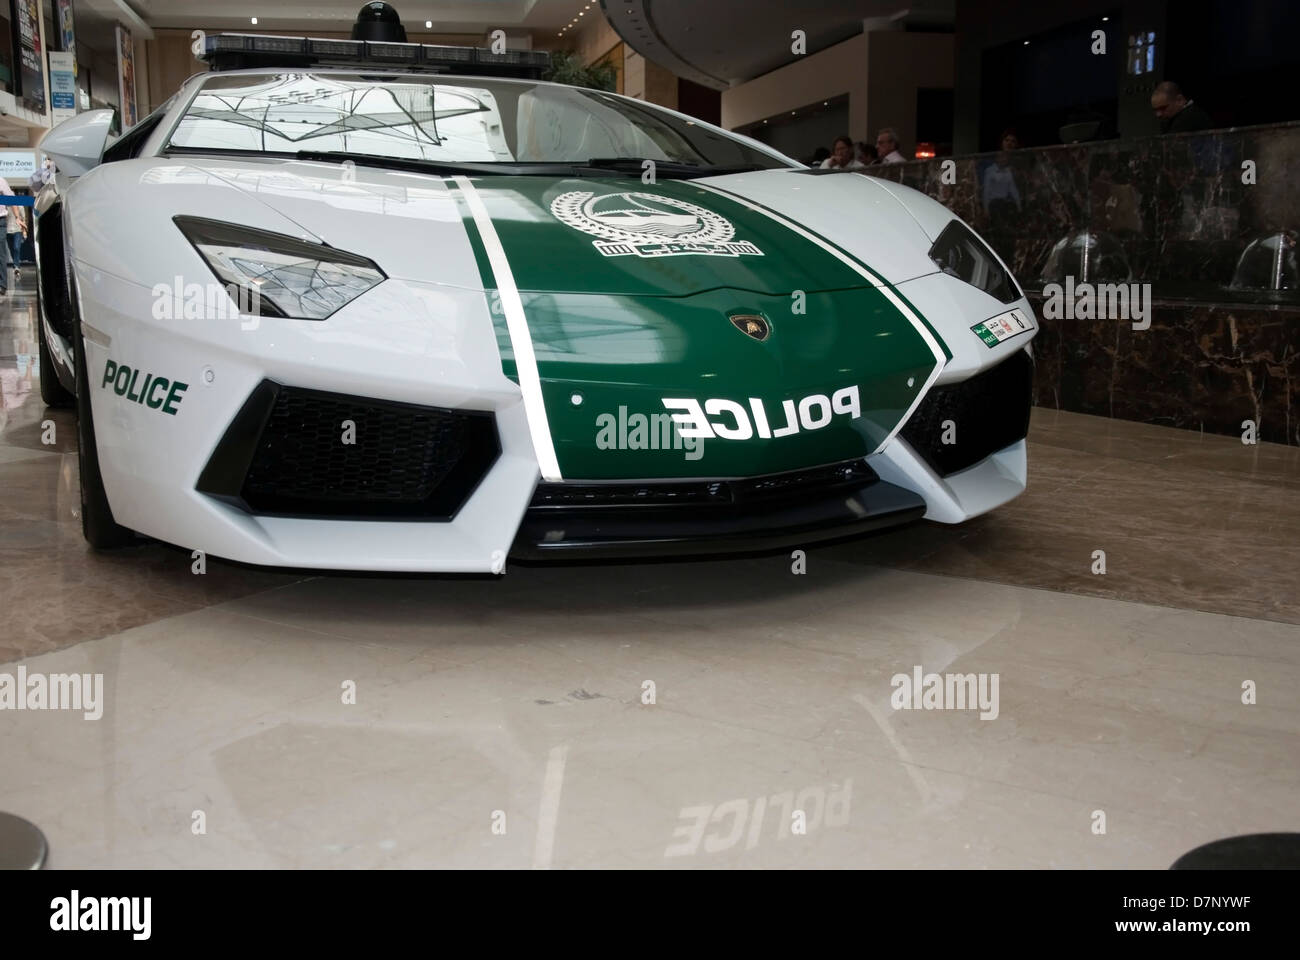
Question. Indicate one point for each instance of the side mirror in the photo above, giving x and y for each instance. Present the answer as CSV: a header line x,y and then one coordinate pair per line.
x,y
77,144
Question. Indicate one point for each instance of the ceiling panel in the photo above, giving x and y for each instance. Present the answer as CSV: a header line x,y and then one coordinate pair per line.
x,y
722,42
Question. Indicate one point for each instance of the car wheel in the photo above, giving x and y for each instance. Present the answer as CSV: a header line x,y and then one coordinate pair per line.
x,y
53,393
97,524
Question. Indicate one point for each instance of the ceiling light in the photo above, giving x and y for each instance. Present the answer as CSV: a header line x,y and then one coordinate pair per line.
x,y
1026,43
1104,19
428,24
254,21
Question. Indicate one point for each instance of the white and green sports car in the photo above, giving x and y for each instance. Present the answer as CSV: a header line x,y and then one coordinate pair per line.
x,y
325,318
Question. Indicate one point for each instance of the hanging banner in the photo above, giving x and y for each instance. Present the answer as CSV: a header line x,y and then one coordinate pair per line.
x,y
30,56
67,32
126,77
63,86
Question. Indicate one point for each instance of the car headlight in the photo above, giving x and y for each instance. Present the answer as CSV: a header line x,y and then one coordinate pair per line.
x,y
281,276
960,253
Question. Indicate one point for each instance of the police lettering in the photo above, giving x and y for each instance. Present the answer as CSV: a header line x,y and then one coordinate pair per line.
x,y
155,392
732,420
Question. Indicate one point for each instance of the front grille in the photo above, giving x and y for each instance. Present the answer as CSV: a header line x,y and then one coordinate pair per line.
x,y
982,414
286,454
703,493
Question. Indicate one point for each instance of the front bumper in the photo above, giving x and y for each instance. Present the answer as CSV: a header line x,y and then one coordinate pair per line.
x,y
432,347
711,517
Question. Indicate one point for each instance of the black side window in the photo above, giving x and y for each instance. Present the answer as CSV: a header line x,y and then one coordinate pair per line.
x,y
130,145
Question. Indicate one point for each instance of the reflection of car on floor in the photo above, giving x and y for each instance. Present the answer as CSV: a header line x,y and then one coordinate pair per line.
x,y
403,321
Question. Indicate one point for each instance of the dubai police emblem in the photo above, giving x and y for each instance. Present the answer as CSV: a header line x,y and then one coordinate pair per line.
x,y
649,226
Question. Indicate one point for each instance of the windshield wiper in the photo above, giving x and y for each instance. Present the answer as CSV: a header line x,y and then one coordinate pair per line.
x,y
598,166
671,169
408,163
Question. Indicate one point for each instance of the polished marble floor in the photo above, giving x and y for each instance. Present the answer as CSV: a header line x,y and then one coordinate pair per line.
x,y
504,722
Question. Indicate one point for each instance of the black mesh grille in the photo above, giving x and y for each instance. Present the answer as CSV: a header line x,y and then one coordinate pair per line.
x,y
285,454
989,411
704,493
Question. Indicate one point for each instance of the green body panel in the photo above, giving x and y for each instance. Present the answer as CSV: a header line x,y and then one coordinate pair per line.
x,y
633,352
614,336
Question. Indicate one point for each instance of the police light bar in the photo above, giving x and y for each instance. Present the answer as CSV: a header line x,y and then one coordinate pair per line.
x,y
239,51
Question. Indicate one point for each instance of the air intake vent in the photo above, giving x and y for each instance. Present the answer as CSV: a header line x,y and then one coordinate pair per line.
x,y
989,411
285,454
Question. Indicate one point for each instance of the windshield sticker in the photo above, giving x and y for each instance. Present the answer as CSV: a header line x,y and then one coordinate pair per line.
x,y
649,225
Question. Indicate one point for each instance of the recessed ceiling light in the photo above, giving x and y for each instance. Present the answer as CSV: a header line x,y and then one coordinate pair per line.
x,y
1026,43
1104,19
254,21
428,24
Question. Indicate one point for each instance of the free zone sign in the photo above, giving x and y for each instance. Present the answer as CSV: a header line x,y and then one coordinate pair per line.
x,y
17,164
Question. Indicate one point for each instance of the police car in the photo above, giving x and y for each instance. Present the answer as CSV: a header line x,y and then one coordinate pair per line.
x,y
376,305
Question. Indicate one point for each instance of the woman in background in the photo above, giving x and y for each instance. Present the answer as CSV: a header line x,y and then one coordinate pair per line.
x,y
17,235
5,190
842,157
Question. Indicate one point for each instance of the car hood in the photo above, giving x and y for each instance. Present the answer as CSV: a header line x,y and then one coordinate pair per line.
x,y
773,232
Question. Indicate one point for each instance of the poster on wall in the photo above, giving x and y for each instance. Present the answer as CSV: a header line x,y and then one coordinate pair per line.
x,y
30,56
126,76
63,87
67,32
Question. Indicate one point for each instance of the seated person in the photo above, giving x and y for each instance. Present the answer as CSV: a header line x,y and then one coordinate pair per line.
x,y
842,157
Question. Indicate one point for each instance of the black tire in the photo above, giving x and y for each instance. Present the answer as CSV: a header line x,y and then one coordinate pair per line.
x,y
97,524
53,392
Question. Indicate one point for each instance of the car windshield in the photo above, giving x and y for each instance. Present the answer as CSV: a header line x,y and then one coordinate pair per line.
x,y
449,120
